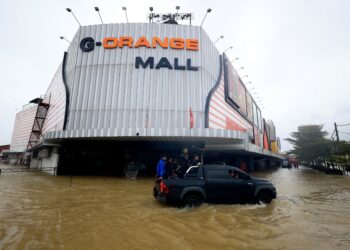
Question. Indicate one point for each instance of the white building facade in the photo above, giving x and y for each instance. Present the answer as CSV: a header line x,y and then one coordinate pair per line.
x,y
140,81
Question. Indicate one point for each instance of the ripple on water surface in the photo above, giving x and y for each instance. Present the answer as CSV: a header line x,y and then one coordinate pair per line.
x,y
40,212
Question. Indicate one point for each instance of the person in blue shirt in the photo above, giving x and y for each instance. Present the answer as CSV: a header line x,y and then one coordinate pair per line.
x,y
161,168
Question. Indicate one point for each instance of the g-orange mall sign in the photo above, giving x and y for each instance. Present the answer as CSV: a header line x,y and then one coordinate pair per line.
x,y
88,44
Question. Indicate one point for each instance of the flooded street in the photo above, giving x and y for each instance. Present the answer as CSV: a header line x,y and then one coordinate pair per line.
x,y
38,211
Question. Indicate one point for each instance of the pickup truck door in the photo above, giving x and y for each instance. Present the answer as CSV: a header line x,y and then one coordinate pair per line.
x,y
242,187
218,185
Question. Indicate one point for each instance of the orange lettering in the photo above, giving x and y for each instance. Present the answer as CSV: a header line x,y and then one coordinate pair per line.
x,y
110,42
142,42
177,43
156,40
174,43
191,44
125,41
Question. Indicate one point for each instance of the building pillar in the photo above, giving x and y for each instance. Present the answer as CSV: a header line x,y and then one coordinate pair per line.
x,y
262,164
250,164
49,160
273,163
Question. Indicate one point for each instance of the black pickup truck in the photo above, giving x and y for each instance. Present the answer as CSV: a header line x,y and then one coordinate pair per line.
x,y
213,184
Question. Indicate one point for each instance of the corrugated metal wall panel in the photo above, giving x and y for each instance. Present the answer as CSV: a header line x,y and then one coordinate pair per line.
x,y
56,96
108,92
56,92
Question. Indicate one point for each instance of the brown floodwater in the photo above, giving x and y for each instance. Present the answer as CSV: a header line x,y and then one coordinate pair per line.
x,y
38,211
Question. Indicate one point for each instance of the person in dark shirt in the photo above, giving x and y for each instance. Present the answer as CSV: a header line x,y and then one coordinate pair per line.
x,y
184,162
195,161
169,167
243,166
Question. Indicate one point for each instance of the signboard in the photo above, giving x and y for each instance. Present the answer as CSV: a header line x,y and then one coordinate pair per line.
x,y
236,90
88,44
158,17
255,114
249,107
259,119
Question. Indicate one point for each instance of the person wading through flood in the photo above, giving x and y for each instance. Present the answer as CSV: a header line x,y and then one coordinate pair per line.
x,y
184,162
161,168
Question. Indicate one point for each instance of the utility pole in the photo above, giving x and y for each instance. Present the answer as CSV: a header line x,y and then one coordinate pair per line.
x,y
336,131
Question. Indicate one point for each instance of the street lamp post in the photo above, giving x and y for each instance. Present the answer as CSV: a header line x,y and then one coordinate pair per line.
x,y
126,15
220,37
70,10
231,47
65,39
206,13
98,11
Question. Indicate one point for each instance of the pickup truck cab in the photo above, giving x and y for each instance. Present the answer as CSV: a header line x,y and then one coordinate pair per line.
x,y
213,184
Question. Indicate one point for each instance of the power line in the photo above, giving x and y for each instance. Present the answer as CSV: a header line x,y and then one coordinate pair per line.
x,y
347,133
346,138
341,125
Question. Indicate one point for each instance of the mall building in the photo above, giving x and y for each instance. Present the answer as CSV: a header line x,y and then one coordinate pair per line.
x,y
130,92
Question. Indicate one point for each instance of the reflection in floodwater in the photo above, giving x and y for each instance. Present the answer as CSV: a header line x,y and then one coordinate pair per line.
x,y
38,211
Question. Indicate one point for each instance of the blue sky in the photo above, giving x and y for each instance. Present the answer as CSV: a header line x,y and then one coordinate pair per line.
x,y
296,53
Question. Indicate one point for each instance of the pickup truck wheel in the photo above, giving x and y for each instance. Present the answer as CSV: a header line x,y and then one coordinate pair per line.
x,y
264,197
193,201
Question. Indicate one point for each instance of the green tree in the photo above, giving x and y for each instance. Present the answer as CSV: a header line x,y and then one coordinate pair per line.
x,y
342,147
310,143
340,151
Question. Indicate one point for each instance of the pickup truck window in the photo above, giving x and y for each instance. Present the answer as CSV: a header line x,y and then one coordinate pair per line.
x,y
218,174
194,172
238,175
